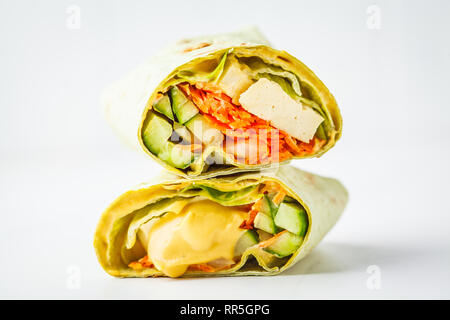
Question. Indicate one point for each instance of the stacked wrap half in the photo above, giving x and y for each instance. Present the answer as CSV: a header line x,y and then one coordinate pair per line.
x,y
231,73
223,115
116,245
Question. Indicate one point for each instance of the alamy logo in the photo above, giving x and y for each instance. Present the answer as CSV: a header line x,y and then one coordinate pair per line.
x,y
374,280
73,21
373,21
73,280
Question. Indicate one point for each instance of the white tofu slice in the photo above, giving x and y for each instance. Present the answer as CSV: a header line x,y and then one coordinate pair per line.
x,y
234,81
267,100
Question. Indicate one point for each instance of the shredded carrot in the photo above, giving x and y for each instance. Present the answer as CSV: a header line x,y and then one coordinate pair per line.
x,y
205,267
248,224
235,122
141,264
270,241
279,197
267,187
202,267
207,86
292,144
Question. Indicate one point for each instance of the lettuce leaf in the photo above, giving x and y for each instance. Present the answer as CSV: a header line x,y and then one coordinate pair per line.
x,y
226,198
198,76
287,80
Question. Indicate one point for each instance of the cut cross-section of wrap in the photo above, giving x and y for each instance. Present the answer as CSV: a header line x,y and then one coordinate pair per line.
x,y
243,224
221,104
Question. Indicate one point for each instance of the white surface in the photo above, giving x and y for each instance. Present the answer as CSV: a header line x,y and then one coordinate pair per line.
x,y
60,165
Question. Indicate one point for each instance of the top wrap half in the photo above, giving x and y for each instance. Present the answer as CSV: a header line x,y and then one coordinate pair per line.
x,y
221,104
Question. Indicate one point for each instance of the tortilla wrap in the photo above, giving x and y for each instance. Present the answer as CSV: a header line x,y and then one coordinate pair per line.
x,y
128,104
323,199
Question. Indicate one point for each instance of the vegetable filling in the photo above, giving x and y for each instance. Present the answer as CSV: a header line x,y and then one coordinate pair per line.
x,y
243,111
208,230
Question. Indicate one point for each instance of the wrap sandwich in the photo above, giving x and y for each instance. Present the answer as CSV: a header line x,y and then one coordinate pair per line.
x,y
253,223
222,104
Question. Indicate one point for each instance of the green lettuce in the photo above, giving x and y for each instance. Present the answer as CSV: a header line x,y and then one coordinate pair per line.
x,y
198,76
226,198
287,80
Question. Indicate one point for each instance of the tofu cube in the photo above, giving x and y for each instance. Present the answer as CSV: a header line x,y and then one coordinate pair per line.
x,y
267,100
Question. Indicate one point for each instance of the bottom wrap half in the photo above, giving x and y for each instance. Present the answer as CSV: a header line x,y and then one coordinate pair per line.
x,y
257,223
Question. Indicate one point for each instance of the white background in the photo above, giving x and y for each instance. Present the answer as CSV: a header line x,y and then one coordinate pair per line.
x,y
61,165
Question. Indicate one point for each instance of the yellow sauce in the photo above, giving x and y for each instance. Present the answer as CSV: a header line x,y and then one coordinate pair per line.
x,y
203,231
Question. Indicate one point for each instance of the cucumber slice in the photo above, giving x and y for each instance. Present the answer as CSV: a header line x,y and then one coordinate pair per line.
x,y
186,112
177,155
203,131
264,218
163,106
156,133
183,108
292,217
285,244
177,97
248,239
268,207
265,222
